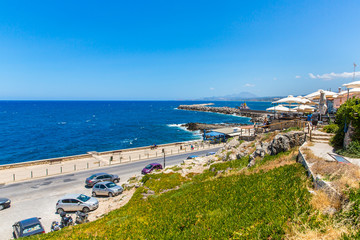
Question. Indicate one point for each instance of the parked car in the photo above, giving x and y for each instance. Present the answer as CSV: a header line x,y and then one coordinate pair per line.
x,y
107,189
4,203
210,153
192,157
76,202
152,166
101,177
28,227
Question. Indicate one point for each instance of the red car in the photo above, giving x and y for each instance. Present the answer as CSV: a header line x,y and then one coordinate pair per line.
x,y
152,166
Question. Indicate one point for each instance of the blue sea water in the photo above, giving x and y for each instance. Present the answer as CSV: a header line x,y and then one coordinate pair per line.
x,y
32,130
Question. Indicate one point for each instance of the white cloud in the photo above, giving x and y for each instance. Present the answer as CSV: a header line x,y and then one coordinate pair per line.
x,y
331,76
312,76
212,88
249,85
297,76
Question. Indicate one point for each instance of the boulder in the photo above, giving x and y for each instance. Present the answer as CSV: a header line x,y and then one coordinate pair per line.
x,y
251,161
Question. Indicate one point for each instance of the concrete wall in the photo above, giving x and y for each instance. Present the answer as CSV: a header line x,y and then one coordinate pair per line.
x,y
317,181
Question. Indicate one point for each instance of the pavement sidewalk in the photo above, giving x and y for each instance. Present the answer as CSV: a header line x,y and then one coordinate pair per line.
x,y
323,149
17,174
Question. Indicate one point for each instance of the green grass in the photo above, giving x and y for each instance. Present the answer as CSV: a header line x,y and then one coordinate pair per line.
x,y
251,206
291,129
162,181
331,128
214,168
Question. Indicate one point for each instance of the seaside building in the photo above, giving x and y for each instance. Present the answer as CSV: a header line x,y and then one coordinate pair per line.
x,y
342,96
221,134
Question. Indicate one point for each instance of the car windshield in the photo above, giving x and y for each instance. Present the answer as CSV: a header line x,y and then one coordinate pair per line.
x,y
31,228
83,198
92,176
148,166
110,185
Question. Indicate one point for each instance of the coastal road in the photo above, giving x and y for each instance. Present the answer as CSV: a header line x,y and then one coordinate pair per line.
x,y
37,198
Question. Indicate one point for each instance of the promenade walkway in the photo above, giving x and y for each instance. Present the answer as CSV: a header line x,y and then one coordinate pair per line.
x,y
38,169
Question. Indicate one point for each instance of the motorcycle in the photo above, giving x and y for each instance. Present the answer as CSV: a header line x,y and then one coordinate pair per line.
x,y
81,217
55,226
66,220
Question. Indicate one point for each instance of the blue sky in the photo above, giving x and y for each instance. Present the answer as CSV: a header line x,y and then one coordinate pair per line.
x,y
159,50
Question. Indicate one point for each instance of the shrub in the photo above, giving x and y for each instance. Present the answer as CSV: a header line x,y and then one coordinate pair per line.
x,y
353,150
349,112
331,128
145,178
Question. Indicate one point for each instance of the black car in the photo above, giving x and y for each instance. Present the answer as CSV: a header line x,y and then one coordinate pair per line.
x,y
28,227
4,203
101,177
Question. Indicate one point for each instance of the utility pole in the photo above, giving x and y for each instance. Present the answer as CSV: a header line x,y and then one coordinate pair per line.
x,y
163,150
353,80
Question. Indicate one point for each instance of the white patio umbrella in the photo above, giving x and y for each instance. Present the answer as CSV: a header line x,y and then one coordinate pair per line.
x,y
316,95
306,101
291,99
304,108
355,84
280,108
352,90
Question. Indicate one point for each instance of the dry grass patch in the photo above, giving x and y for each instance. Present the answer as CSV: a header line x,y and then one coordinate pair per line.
x,y
327,232
268,137
322,202
342,176
310,144
310,156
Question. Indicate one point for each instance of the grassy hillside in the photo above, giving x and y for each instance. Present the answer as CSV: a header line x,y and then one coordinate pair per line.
x,y
246,205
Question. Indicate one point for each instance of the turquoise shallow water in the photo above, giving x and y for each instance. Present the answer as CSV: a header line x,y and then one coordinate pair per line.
x,y
32,130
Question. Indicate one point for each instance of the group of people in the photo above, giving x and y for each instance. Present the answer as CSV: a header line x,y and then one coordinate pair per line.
x,y
313,119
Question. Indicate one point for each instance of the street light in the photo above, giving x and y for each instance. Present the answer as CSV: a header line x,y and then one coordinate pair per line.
x,y
163,151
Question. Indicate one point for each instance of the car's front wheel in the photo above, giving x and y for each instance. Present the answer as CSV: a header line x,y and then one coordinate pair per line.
x,y
2,207
111,194
86,210
93,194
60,210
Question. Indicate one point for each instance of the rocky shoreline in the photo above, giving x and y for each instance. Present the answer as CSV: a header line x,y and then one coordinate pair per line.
x,y
194,126
256,116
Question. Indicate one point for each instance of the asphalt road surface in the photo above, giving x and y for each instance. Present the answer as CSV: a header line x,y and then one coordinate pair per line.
x,y
37,198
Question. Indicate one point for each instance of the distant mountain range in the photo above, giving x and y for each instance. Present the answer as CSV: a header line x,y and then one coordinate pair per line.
x,y
240,97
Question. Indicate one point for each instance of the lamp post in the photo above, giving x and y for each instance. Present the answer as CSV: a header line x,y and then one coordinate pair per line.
x,y
163,151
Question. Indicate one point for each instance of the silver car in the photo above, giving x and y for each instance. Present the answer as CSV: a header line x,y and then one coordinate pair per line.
x,y
76,202
106,189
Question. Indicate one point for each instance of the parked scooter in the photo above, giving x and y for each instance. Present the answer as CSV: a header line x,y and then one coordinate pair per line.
x,y
66,220
81,217
55,226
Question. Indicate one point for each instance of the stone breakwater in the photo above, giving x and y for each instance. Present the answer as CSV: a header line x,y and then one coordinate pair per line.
x,y
256,116
201,126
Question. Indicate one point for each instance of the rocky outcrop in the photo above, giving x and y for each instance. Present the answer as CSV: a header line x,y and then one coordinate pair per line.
x,y
281,143
233,150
